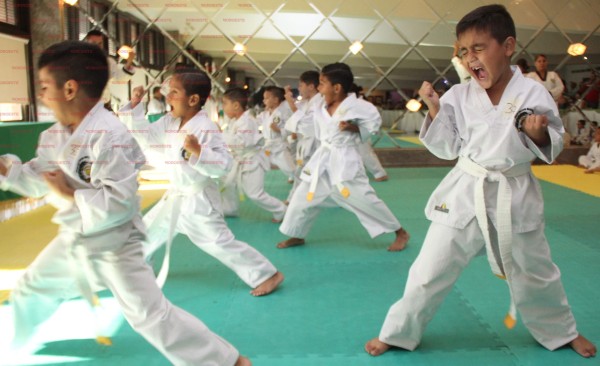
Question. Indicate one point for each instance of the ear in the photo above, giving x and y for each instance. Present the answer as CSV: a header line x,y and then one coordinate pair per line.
x,y
337,88
509,46
70,89
194,100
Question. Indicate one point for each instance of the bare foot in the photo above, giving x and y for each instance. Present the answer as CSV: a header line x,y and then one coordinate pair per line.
x,y
375,347
243,361
269,285
400,243
291,242
584,347
276,221
381,179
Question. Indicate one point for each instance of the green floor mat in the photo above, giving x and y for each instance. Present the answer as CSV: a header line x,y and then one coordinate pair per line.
x,y
340,285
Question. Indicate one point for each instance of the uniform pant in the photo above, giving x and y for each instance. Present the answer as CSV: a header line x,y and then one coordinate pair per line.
x,y
209,232
370,160
370,210
253,186
284,161
51,279
588,162
535,285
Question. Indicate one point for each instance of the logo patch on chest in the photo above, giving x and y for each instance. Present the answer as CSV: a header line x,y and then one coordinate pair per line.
x,y
442,208
185,154
84,169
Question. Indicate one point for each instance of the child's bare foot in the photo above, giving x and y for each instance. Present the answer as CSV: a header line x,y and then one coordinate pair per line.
x,y
291,242
381,179
375,347
584,347
243,361
269,285
400,243
276,221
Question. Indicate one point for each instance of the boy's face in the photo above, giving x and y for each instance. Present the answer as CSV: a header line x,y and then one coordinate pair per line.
x,y
304,89
177,98
271,102
487,60
597,135
97,40
230,108
51,94
326,89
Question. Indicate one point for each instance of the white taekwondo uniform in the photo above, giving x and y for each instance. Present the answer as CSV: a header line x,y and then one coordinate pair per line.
x,y
247,177
302,123
336,170
192,205
592,159
276,146
98,242
492,185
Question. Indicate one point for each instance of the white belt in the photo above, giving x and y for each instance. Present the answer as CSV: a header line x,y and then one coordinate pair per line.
x,y
172,201
503,215
344,191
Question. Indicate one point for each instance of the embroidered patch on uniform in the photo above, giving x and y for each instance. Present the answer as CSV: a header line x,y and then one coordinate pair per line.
x,y
185,154
520,117
84,169
276,120
442,208
306,171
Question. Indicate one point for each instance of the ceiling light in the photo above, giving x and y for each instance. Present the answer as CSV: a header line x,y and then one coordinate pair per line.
x,y
70,2
124,51
413,105
240,49
356,47
576,49
227,79
246,86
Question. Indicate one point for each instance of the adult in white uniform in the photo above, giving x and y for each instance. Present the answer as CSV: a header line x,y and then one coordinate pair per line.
x,y
195,155
301,123
591,161
335,169
490,202
273,129
549,79
247,177
87,164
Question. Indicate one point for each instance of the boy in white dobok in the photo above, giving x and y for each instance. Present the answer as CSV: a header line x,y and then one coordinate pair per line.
x,y
335,169
591,161
247,177
87,164
490,202
301,123
195,154
273,120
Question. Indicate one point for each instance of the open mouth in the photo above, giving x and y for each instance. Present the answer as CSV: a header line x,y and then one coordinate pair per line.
x,y
479,72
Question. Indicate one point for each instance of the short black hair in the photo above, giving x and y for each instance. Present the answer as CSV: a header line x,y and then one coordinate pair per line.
x,y
339,73
540,55
277,92
195,83
310,77
494,19
155,89
94,32
524,64
76,60
237,95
